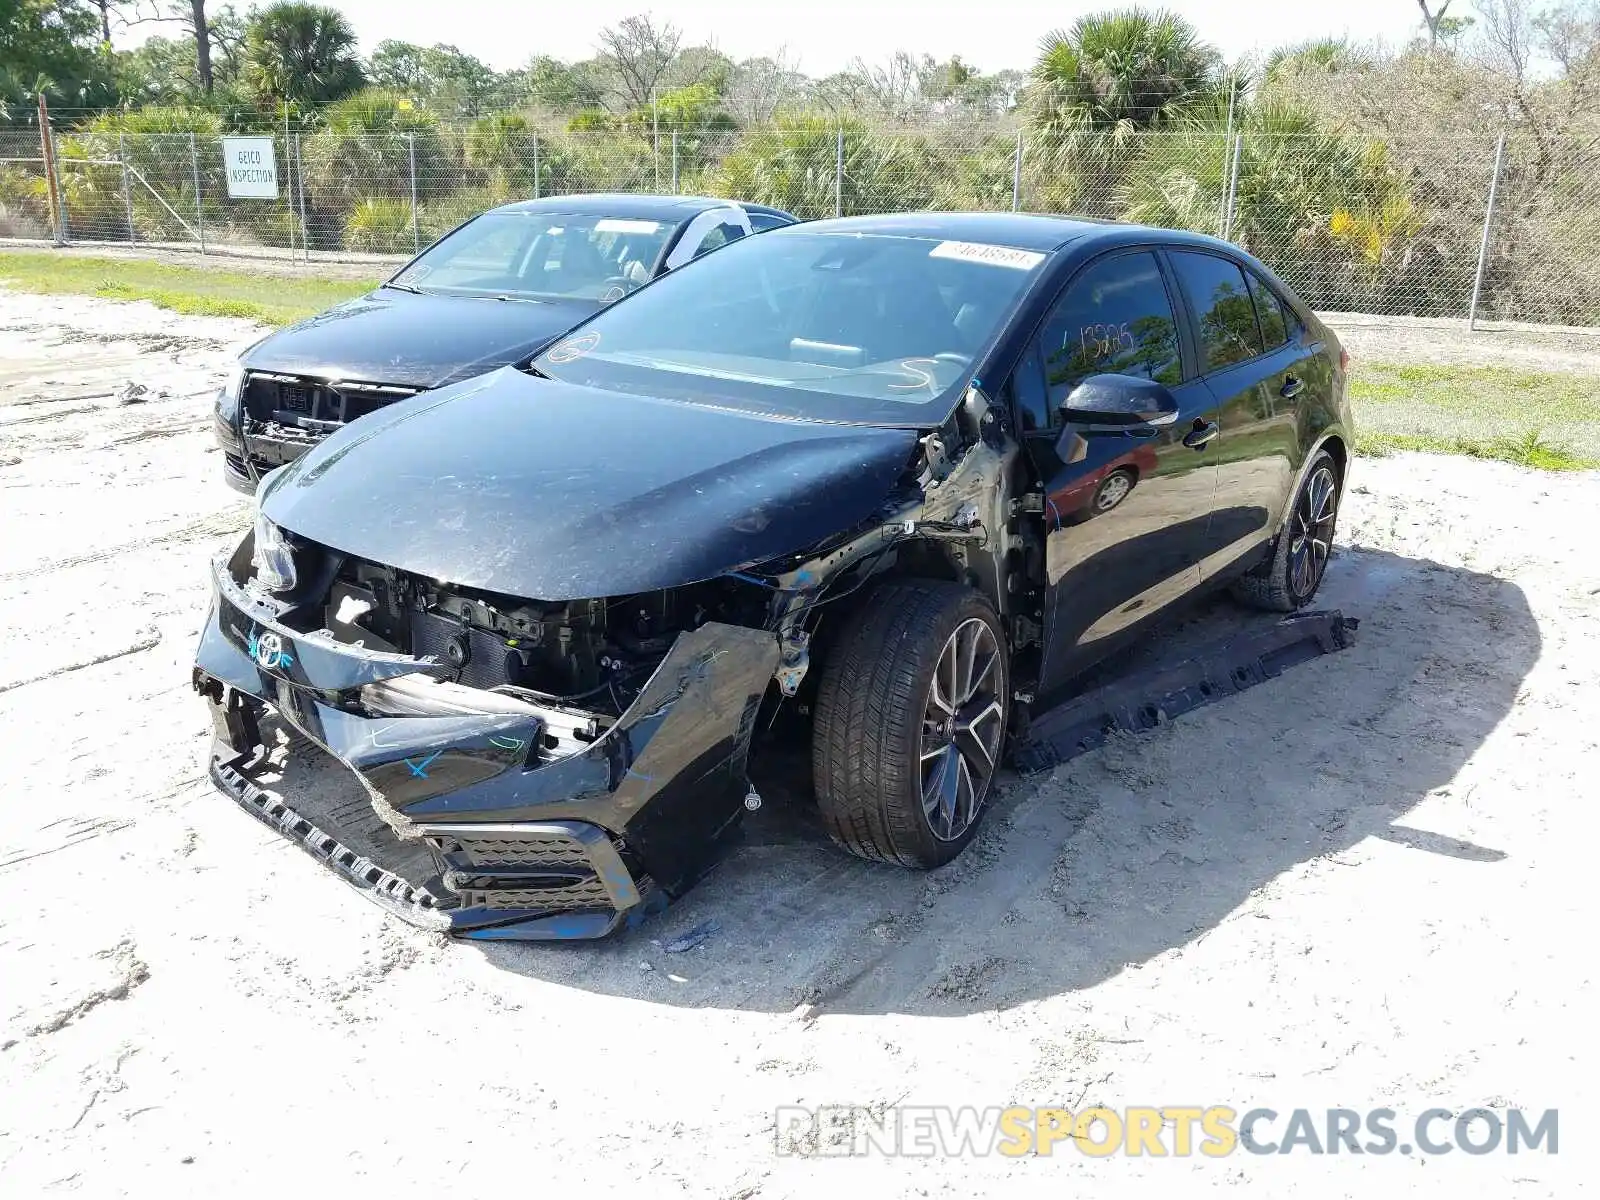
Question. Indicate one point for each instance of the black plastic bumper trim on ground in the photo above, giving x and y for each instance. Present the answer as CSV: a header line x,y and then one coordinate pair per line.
x,y
416,906
411,904
1142,702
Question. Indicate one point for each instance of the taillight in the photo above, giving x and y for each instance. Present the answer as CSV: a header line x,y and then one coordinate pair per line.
x,y
1344,360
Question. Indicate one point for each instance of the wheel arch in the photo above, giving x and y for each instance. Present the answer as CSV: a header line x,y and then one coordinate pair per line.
x,y
1332,440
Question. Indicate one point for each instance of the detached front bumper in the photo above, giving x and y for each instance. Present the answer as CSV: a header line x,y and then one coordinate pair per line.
x,y
517,821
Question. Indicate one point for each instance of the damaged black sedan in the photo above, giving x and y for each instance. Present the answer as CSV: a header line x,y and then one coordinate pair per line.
x,y
831,487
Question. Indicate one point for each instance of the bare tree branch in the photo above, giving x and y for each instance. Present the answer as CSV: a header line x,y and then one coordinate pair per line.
x,y
639,51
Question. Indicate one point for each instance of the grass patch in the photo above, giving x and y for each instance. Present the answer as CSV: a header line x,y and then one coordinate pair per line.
x,y
269,298
1535,419
1528,451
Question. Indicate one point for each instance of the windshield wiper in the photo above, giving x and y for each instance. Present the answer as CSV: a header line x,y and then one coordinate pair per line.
x,y
403,287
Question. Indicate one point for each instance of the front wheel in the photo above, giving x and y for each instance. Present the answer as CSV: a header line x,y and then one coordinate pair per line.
x,y
1291,577
910,723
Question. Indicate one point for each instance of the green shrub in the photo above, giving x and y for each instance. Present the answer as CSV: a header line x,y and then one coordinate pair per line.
x,y
795,168
379,225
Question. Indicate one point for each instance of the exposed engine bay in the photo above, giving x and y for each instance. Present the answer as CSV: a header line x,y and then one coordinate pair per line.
x,y
594,654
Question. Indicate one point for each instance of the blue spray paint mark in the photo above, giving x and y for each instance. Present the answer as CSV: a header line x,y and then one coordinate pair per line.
x,y
420,770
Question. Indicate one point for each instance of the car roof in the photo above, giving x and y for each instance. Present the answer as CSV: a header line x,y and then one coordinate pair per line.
x,y
620,204
1021,231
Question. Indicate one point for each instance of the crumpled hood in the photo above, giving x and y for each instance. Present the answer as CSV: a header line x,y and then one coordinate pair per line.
x,y
550,491
396,338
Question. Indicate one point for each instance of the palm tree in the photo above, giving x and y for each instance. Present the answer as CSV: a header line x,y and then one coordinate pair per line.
x,y
1100,85
303,53
1118,72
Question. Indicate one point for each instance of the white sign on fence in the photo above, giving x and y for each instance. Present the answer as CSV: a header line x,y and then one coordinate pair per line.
x,y
251,166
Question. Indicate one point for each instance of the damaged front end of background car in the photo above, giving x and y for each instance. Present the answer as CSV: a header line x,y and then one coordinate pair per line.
x,y
546,768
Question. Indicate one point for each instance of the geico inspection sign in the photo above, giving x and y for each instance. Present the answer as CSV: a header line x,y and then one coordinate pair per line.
x,y
251,166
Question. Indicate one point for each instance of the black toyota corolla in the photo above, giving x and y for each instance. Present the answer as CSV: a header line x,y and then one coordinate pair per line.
x,y
843,483
487,294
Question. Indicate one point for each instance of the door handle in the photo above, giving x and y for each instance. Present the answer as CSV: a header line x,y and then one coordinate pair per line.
x,y
1292,387
1201,435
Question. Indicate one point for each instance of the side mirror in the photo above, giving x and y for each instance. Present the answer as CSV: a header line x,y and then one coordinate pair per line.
x,y
1118,400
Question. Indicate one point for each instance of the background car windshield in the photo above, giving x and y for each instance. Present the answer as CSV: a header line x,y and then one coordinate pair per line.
x,y
870,329
539,256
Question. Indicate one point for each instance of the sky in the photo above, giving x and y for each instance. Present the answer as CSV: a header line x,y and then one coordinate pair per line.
x,y
824,35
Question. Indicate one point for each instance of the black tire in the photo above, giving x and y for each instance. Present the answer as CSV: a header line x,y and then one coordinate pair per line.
x,y
871,734
1282,583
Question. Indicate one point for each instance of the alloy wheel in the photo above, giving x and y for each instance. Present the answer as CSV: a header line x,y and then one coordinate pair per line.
x,y
1113,492
1311,532
962,726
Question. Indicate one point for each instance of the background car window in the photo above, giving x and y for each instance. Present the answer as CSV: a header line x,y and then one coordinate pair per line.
x,y
540,255
720,236
1274,328
1221,302
761,222
1115,319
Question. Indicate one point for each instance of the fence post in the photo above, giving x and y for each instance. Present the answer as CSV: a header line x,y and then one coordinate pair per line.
x,y
127,190
655,135
288,179
300,188
1233,187
199,216
674,162
47,147
1016,176
1488,231
416,234
838,176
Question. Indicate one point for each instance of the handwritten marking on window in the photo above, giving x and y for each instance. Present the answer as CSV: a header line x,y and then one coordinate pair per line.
x,y
1101,341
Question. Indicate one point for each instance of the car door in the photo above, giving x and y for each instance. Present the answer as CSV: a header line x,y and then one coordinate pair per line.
x,y
1256,374
1126,510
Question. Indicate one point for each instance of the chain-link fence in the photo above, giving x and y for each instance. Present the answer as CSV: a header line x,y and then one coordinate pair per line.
x,y
1485,227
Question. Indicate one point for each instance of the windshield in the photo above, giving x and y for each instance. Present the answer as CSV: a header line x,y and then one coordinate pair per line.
x,y
834,326
541,256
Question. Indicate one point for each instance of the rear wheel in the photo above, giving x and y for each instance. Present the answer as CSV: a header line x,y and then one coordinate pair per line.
x,y
1291,577
910,723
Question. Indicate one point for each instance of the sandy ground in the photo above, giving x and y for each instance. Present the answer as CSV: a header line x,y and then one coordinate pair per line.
x,y
1366,883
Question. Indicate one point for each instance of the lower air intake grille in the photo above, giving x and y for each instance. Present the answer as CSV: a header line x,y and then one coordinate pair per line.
x,y
476,861
588,894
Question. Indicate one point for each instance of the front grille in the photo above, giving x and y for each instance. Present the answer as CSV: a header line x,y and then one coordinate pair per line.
x,y
289,397
236,464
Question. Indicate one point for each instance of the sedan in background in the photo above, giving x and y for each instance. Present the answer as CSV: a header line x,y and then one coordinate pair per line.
x,y
491,292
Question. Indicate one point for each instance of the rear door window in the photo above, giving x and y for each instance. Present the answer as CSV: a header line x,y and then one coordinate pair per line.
x,y
1269,311
1114,319
1220,299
